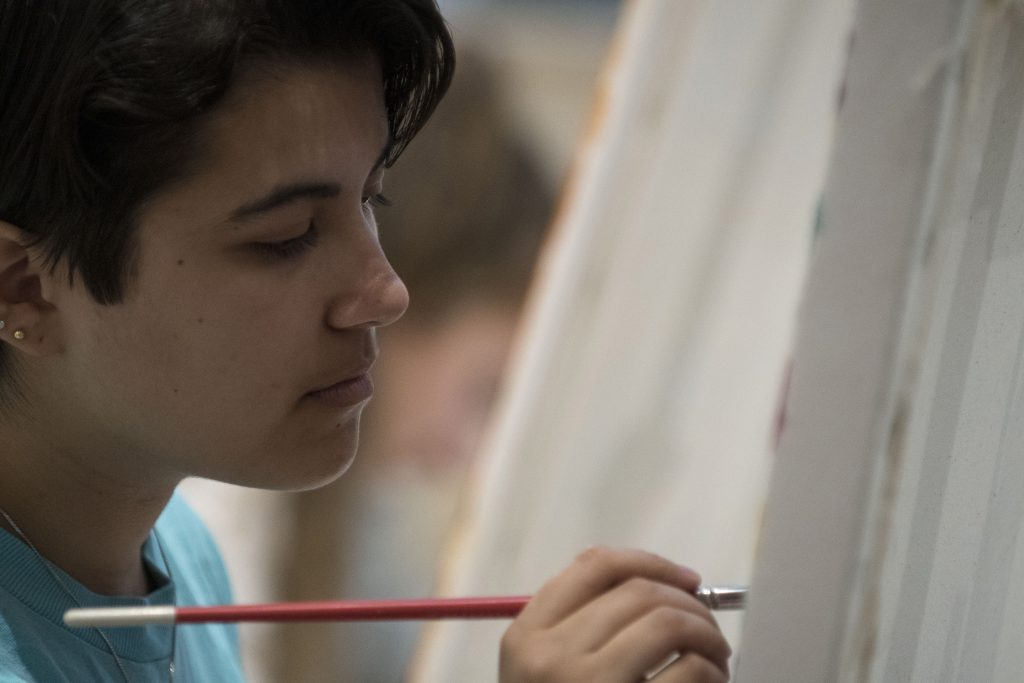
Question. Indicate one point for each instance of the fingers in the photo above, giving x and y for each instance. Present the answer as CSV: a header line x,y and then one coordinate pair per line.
x,y
613,616
597,622
595,572
691,668
644,644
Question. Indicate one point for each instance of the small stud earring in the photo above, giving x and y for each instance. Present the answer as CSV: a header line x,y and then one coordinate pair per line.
x,y
3,324
19,335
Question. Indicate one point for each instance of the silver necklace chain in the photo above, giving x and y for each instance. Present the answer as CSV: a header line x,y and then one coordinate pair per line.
x,y
64,587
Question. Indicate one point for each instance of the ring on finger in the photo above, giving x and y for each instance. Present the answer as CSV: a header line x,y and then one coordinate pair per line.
x,y
664,664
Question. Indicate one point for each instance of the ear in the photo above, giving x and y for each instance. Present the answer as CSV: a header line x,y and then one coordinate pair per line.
x,y
30,320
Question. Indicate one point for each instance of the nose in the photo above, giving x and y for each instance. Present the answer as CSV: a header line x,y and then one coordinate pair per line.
x,y
378,298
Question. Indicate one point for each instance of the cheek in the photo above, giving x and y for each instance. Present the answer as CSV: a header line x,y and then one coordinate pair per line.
x,y
215,355
215,361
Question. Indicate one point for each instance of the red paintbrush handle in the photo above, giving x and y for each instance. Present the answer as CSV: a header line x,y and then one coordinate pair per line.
x,y
715,597
360,610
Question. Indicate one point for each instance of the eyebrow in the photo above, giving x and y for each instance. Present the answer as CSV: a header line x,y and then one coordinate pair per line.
x,y
292,192
284,195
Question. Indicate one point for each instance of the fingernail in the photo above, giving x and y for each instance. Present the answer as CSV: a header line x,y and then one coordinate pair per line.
x,y
690,574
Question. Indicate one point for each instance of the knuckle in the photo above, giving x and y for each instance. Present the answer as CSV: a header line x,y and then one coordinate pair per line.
x,y
655,557
532,658
598,565
539,663
510,639
598,554
669,619
696,607
645,591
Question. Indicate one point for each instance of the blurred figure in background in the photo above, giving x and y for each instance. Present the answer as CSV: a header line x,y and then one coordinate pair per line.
x,y
470,209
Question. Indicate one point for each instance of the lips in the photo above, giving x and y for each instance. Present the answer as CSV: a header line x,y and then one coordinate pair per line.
x,y
351,384
354,386
348,392
343,377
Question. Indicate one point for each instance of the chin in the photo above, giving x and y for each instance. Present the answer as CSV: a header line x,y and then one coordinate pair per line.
x,y
314,480
308,467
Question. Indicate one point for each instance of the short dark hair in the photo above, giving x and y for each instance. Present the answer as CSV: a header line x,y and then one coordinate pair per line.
x,y
101,101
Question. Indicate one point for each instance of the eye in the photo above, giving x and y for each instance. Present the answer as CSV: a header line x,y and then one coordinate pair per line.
x,y
376,200
290,247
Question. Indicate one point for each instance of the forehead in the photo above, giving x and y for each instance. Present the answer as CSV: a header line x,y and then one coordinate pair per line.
x,y
279,126
280,120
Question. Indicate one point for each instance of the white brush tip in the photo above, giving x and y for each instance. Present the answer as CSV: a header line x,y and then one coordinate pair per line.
x,y
105,617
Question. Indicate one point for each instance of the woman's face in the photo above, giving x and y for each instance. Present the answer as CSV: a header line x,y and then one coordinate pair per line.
x,y
260,280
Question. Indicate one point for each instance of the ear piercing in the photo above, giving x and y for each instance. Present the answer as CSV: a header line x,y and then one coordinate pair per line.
x,y
18,334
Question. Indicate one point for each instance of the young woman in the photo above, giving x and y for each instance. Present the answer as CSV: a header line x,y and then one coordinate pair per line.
x,y
190,285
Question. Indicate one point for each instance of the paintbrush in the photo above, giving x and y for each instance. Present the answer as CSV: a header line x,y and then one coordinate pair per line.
x,y
714,597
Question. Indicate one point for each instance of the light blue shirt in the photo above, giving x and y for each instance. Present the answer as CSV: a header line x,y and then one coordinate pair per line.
x,y
36,646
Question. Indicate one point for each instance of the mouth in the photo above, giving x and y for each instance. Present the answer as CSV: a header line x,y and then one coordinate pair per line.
x,y
346,393
351,391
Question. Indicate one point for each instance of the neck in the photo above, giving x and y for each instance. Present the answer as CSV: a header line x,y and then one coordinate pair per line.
x,y
87,519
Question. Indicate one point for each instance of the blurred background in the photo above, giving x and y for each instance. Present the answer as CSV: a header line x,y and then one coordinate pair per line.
x,y
472,199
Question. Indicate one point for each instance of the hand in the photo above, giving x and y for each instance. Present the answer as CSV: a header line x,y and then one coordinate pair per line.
x,y
611,617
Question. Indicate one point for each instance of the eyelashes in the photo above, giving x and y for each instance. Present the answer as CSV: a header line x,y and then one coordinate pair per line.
x,y
297,245
376,200
291,247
